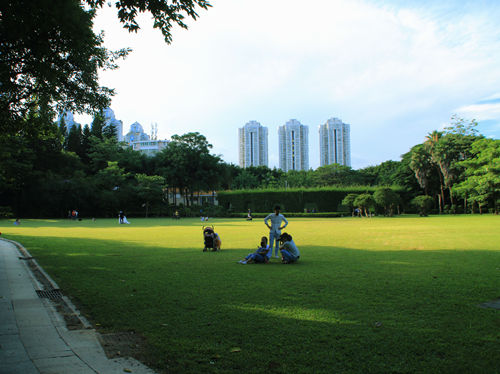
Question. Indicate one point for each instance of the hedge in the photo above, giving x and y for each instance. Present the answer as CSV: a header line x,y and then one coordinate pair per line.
x,y
327,199
291,214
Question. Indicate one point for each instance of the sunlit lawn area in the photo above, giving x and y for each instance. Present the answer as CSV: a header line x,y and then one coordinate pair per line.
x,y
384,295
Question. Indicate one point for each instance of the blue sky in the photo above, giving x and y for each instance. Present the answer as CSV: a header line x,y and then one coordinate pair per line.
x,y
393,70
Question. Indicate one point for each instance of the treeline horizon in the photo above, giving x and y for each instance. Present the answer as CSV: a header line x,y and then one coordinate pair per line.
x,y
47,171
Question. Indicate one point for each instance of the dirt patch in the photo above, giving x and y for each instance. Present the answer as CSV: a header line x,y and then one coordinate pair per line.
x,y
125,344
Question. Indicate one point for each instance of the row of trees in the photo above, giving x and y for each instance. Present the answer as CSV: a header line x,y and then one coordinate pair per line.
x,y
458,167
384,197
52,63
47,170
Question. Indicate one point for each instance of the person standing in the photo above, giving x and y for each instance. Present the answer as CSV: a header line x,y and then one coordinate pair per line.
x,y
276,219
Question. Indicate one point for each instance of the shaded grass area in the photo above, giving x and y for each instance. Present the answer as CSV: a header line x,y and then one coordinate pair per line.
x,y
368,295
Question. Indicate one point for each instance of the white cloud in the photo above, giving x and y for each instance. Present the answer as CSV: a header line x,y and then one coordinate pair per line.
x,y
383,68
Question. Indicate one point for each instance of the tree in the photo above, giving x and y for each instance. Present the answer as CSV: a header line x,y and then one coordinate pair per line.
x,y
187,165
482,183
299,178
385,174
421,165
336,174
349,202
110,182
386,198
424,204
97,125
109,131
165,13
74,140
48,49
245,180
447,149
150,189
364,202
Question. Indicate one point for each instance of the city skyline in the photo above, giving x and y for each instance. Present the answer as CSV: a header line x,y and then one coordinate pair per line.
x,y
399,68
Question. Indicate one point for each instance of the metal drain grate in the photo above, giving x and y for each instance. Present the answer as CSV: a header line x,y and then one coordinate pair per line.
x,y
49,294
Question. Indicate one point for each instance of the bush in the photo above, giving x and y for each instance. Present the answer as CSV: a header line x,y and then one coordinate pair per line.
x,y
290,214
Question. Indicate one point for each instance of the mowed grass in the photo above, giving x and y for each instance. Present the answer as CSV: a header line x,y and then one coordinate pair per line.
x,y
380,295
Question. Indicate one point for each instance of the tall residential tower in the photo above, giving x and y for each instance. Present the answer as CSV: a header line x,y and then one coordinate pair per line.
x,y
293,146
334,143
253,145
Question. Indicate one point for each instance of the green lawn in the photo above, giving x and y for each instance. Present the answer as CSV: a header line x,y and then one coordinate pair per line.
x,y
381,295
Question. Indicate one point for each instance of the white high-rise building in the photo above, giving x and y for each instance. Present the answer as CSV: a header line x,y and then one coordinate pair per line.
x,y
253,145
293,146
335,143
109,119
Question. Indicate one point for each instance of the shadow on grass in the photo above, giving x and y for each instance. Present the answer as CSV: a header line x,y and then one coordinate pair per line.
x,y
337,310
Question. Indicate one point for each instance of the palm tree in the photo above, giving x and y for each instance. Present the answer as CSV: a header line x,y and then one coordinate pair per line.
x,y
421,166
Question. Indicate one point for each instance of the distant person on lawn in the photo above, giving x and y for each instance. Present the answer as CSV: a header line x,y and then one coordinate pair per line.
x,y
289,251
260,255
276,219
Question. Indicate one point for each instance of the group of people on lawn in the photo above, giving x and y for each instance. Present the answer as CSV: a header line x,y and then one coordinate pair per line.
x,y
281,242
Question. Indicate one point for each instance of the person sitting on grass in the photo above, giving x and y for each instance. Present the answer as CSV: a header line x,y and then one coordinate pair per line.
x,y
289,251
260,255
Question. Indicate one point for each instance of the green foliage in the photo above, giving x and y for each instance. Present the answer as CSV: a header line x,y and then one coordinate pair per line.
x,y
327,199
365,202
164,13
482,171
348,201
387,199
187,165
424,204
54,57
150,189
335,174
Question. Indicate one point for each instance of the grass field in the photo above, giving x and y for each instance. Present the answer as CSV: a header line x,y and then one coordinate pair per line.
x,y
380,295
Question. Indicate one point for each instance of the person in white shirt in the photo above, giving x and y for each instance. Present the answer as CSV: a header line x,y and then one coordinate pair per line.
x,y
275,229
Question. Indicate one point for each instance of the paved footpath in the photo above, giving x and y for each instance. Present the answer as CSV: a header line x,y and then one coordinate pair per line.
x,y
33,336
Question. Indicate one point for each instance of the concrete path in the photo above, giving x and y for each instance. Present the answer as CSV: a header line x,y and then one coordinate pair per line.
x,y
34,337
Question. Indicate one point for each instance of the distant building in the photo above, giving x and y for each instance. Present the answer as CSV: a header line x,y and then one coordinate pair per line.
x,y
149,147
136,134
253,145
293,146
334,143
109,119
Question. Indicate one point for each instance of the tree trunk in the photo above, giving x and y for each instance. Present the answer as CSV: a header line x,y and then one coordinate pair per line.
x,y
441,200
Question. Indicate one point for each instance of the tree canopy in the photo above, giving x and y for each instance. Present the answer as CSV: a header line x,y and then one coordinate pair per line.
x,y
50,55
